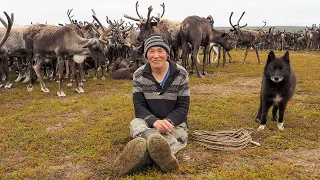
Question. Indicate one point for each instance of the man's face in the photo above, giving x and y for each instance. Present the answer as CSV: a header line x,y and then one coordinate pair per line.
x,y
157,57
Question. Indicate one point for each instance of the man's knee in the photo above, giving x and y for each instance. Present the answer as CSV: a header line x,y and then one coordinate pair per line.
x,y
137,126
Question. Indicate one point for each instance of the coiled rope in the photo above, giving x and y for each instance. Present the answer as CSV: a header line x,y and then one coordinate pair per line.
x,y
224,140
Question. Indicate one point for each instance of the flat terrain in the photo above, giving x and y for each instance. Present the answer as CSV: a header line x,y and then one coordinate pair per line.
x,y
78,137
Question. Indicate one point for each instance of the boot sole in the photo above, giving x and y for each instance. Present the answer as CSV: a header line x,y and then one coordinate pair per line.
x,y
131,157
159,150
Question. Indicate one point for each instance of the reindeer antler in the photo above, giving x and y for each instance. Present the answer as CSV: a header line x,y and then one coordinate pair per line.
x,y
237,25
7,26
137,5
265,23
163,9
69,15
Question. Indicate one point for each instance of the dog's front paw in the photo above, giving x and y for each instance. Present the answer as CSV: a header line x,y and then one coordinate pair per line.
x,y
280,126
261,127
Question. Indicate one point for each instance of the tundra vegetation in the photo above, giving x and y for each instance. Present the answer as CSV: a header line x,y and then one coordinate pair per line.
x,y
79,136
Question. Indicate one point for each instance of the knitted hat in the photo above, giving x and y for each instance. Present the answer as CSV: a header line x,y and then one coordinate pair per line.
x,y
156,40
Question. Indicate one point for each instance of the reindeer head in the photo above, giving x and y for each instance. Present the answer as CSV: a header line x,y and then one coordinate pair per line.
x,y
146,25
236,28
96,50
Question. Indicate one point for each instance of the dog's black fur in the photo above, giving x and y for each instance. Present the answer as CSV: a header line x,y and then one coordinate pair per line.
x,y
277,88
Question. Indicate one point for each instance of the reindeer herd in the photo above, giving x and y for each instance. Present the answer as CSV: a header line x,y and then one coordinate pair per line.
x,y
70,49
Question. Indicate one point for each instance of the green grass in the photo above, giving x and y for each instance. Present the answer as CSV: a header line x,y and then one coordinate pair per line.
x,y
78,137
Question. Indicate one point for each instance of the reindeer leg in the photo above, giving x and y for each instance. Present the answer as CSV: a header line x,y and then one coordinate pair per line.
x,y
19,65
60,93
37,69
219,56
67,70
29,75
205,59
76,75
257,53
71,64
102,70
95,69
230,58
245,55
224,57
7,83
194,58
81,69
1,73
184,55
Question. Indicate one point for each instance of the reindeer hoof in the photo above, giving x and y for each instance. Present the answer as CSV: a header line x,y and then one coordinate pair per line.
x,y
45,90
95,78
1,85
61,94
103,78
26,80
80,90
8,85
80,83
280,126
204,73
261,127
83,80
30,88
69,85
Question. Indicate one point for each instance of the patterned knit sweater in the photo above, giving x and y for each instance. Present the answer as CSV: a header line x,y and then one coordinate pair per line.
x,y
152,102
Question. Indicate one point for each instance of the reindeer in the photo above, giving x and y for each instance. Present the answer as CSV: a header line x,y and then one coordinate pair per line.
x,y
248,38
198,32
169,29
125,72
63,43
3,50
89,30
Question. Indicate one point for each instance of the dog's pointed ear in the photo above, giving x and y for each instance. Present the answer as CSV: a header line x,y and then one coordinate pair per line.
x,y
286,57
271,56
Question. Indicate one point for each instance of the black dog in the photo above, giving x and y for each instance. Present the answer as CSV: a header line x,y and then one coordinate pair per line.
x,y
277,88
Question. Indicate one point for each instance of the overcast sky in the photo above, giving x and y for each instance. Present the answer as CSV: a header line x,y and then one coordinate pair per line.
x,y
275,12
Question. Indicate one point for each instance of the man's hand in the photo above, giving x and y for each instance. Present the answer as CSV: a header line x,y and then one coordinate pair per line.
x,y
163,126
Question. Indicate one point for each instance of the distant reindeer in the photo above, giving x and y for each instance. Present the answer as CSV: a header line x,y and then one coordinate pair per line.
x,y
248,38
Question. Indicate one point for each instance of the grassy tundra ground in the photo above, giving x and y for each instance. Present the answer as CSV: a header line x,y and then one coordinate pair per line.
x,y
78,137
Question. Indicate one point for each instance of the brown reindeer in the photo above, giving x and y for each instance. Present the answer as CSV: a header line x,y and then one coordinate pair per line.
x,y
124,72
63,43
249,38
198,32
